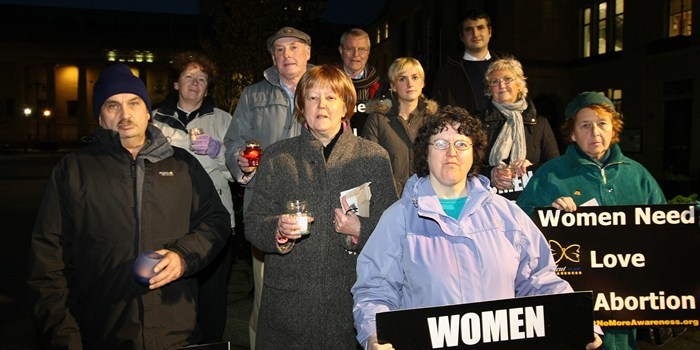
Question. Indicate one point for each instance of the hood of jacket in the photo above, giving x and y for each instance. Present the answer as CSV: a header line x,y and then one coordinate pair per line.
x,y
426,106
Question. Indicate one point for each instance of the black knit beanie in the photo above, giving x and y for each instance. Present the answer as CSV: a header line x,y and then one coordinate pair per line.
x,y
117,79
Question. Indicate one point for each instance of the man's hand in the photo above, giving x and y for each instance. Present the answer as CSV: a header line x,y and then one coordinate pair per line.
x,y
169,269
243,163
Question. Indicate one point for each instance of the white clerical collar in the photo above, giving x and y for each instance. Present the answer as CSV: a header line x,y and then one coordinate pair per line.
x,y
468,57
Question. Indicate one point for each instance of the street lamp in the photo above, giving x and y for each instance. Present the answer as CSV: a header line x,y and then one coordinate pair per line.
x,y
36,115
30,113
47,115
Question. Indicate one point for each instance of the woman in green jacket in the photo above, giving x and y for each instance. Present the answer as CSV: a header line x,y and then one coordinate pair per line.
x,y
592,171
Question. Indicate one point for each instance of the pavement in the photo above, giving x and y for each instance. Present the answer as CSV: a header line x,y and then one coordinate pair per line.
x,y
23,176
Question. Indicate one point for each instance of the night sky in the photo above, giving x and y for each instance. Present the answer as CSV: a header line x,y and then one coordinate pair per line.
x,y
358,12
188,7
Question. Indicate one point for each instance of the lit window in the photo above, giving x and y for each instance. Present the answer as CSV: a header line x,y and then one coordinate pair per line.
x,y
619,21
615,95
602,24
379,35
386,30
680,20
602,34
587,32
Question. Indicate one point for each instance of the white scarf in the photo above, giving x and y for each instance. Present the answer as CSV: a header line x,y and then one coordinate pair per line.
x,y
511,139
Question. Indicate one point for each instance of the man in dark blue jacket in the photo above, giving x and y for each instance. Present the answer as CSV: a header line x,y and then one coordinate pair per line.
x,y
127,192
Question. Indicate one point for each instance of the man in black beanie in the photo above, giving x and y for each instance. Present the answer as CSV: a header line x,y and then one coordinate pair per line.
x,y
127,192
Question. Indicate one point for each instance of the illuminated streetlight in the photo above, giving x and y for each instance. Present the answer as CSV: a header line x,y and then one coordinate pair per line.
x,y
27,112
46,113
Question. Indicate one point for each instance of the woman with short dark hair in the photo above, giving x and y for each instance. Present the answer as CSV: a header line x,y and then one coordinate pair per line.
x,y
449,240
306,301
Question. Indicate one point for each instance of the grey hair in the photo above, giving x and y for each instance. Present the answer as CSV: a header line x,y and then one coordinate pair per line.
x,y
509,64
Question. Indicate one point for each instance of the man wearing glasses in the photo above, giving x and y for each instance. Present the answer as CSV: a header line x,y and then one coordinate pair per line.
x,y
354,53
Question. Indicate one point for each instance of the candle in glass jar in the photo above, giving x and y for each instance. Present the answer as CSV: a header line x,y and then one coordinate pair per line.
x,y
252,153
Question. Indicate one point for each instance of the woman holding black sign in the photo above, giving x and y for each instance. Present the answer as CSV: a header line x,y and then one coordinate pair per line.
x,y
449,240
593,171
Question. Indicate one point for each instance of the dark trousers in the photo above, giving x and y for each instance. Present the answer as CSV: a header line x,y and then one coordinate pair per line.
x,y
213,290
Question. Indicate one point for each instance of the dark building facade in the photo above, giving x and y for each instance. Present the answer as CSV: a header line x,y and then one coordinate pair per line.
x,y
50,59
640,54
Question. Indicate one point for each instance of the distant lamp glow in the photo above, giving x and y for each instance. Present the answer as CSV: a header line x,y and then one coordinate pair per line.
x,y
149,57
111,56
27,112
46,113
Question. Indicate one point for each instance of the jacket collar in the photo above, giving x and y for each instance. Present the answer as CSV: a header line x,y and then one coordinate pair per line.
x,y
580,159
170,105
424,198
457,58
156,148
166,112
272,75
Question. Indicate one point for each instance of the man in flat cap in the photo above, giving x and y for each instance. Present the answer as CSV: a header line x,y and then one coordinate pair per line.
x,y
127,192
265,113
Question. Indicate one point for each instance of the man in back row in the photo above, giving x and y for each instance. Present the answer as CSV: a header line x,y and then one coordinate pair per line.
x,y
460,81
265,113
354,52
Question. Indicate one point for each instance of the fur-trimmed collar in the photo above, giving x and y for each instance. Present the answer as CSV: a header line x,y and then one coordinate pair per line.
x,y
425,105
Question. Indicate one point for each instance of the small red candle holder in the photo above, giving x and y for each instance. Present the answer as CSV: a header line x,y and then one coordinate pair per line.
x,y
252,153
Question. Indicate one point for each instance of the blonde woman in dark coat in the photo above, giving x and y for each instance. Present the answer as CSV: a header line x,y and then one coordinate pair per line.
x,y
394,123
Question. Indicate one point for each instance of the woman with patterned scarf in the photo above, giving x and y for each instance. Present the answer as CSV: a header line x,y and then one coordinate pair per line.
x,y
518,138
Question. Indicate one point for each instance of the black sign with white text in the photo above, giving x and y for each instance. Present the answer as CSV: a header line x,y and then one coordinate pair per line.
x,y
640,261
519,183
559,321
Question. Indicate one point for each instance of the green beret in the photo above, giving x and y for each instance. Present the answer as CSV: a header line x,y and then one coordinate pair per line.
x,y
584,100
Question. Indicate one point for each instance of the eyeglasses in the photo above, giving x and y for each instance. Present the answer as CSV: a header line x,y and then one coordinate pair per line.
x,y
497,82
361,50
442,145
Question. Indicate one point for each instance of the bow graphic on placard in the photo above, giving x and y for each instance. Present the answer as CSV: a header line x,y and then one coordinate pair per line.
x,y
571,253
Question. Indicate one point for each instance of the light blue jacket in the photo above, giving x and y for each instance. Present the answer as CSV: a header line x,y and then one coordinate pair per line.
x,y
418,256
